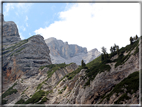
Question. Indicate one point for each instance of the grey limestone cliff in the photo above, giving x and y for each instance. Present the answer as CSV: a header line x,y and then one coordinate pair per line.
x,y
10,32
58,47
61,52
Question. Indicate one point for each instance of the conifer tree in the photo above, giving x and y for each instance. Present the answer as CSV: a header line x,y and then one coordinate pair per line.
x,y
83,63
131,40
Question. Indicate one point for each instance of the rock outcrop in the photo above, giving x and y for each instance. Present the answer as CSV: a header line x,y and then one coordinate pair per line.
x,y
61,52
58,47
10,32
21,57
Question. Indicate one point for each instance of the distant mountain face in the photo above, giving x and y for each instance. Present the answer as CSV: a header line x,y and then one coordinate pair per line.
x,y
61,52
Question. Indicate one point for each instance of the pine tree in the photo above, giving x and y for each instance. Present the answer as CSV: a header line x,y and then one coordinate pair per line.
x,y
83,63
131,40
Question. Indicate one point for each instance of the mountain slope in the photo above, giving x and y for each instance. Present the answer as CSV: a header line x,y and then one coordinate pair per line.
x,y
100,82
61,52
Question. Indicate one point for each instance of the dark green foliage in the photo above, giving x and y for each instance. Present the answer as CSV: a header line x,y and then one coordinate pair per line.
x,y
122,98
104,50
121,60
53,68
131,40
4,101
47,92
102,57
21,101
83,63
39,86
130,83
94,70
48,66
95,62
9,91
131,47
72,74
36,97
43,100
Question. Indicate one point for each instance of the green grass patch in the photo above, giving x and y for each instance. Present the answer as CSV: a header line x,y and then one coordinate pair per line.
x,y
36,97
95,62
20,50
39,86
94,70
9,91
72,74
43,100
21,101
122,59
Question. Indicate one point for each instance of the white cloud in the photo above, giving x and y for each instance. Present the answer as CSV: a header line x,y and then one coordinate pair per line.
x,y
21,7
26,19
7,7
96,25
22,28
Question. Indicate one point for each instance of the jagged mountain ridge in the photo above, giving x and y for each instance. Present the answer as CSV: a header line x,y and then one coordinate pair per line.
x,y
61,52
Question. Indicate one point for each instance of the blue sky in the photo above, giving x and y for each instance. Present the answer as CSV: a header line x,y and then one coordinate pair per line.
x,y
31,16
85,24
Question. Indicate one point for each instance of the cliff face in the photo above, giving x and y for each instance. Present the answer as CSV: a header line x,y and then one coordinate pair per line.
x,y
10,32
58,47
21,57
61,52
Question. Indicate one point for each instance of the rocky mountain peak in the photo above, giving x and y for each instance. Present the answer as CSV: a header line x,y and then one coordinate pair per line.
x,y
10,32
63,49
21,57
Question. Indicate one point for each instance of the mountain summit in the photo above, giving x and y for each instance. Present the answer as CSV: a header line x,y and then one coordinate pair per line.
x,y
61,52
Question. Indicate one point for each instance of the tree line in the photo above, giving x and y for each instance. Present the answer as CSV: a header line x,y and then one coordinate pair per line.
x,y
115,49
